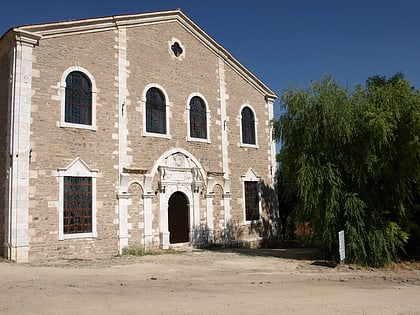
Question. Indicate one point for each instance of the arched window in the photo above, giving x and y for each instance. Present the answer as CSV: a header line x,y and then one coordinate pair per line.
x,y
248,126
78,99
198,118
155,111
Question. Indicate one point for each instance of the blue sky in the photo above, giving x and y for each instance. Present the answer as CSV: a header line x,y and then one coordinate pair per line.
x,y
281,41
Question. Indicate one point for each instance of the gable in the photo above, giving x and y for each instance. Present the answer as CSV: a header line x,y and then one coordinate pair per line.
x,y
59,29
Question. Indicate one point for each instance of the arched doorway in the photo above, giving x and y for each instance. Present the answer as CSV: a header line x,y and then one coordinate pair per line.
x,y
178,218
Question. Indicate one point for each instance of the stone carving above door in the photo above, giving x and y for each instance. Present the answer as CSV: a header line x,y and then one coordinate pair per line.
x,y
178,169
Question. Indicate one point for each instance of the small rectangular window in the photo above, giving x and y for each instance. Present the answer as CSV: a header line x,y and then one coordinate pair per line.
x,y
252,210
77,216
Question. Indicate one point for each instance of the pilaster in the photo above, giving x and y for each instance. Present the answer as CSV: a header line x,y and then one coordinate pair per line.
x,y
148,219
17,234
272,159
209,217
123,221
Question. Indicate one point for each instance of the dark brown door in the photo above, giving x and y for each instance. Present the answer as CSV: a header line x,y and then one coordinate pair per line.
x,y
178,222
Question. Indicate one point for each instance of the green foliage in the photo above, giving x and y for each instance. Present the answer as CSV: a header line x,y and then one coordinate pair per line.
x,y
140,251
352,159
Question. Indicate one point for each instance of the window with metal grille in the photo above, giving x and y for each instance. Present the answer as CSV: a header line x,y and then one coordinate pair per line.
x,y
198,119
248,126
77,216
252,210
155,111
78,108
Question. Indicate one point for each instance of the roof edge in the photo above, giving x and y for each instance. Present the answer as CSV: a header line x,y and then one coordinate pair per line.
x,y
89,25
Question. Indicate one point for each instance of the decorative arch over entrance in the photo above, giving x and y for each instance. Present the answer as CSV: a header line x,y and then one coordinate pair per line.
x,y
178,218
179,175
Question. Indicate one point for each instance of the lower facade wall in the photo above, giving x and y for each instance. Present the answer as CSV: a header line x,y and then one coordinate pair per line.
x,y
213,228
135,208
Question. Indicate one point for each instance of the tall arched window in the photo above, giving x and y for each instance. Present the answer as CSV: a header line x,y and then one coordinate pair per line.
x,y
198,118
78,99
155,111
248,126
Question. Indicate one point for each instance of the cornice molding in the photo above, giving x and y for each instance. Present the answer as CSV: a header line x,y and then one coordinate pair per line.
x,y
26,38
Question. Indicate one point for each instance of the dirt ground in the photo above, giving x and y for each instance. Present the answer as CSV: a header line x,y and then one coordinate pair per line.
x,y
266,281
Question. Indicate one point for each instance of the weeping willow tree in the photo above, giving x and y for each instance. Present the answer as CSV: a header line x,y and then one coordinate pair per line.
x,y
353,159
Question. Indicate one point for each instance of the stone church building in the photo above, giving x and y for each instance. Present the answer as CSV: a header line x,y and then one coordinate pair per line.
x,y
130,131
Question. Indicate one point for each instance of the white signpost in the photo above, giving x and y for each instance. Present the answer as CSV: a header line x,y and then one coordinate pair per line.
x,y
342,246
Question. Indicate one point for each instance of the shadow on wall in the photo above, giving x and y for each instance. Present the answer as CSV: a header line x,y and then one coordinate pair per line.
x,y
268,227
262,233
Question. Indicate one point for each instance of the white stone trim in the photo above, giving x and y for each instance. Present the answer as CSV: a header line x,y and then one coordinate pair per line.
x,y
167,135
174,177
189,138
123,101
251,176
273,165
224,120
77,168
248,145
193,210
170,152
181,56
62,122
17,216
123,221
223,97
123,158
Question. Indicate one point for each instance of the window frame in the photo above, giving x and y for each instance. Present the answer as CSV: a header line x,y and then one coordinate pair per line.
x,y
172,42
251,176
167,113
207,113
63,86
242,143
77,168
70,181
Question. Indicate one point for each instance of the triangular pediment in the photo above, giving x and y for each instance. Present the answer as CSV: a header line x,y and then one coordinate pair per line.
x,y
250,175
77,168
82,26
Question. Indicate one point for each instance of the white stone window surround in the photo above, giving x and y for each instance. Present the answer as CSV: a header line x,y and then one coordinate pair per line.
x,y
251,176
247,145
189,138
173,56
77,168
63,123
167,106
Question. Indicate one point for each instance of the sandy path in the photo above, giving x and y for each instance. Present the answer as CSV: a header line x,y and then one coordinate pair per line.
x,y
206,282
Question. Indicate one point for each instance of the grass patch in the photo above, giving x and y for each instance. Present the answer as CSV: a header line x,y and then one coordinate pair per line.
x,y
140,251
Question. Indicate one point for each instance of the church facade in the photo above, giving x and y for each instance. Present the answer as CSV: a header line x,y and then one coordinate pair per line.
x,y
130,131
